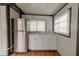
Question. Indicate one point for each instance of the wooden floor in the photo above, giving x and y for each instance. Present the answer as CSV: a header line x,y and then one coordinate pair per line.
x,y
36,53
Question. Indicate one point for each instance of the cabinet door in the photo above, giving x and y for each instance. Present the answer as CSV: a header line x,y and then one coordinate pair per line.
x,y
46,43
21,42
35,42
38,43
53,43
49,43
20,24
31,42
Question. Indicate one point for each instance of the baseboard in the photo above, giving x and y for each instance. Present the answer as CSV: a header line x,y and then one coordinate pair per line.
x,y
58,53
18,52
42,50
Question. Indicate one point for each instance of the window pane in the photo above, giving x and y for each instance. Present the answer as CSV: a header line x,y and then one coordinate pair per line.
x,y
35,25
56,20
32,25
63,18
41,26
28,25
63,28
56,28
19,24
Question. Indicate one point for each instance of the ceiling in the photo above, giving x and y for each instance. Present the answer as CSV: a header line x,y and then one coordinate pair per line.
x,y
41,8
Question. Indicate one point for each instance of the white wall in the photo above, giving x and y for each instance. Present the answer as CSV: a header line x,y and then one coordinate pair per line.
x,y
67,46
49,32
3,31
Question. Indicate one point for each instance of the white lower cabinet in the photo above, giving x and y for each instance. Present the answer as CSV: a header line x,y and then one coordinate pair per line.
x,y
46,43
53,44
49,43
31,42
38,43
42,42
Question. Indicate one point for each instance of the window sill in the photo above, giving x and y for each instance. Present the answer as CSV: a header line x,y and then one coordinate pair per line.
x,y
62,34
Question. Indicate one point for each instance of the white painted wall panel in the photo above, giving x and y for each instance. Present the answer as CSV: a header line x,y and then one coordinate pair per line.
x,y
3,31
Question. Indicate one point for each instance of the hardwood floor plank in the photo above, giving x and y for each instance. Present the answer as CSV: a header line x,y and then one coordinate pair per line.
x,y
36,53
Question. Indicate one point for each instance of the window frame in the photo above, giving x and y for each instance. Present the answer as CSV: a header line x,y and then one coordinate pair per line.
x,y
70,9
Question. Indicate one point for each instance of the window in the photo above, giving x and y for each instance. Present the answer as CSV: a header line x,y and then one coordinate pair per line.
x,y
61,23
34,25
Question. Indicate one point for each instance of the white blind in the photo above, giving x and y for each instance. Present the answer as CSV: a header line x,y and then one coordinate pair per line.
x,y
34,25
41,26
61,23
20,24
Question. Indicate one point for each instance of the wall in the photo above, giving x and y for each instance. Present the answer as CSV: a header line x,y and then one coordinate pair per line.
x,y
3,31
49,30
14,15
67,46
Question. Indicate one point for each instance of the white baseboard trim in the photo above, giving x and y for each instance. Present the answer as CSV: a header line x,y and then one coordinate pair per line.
x,y
6,49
